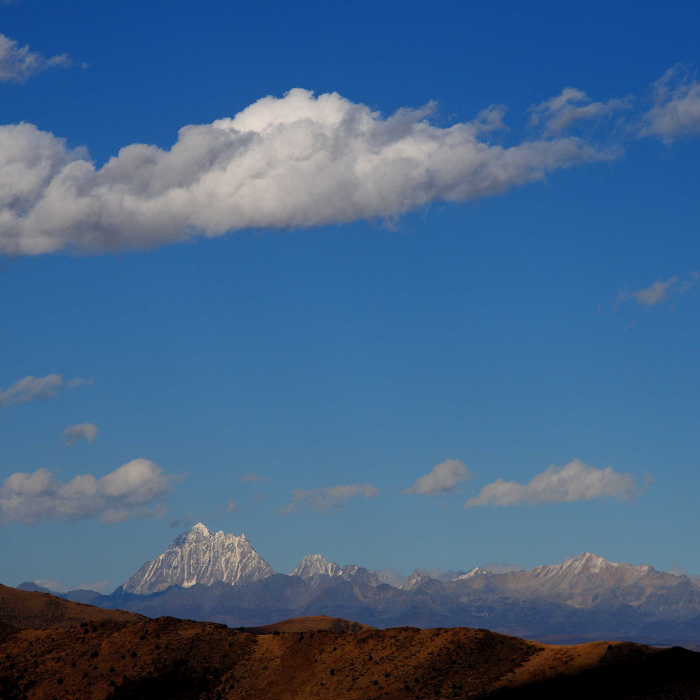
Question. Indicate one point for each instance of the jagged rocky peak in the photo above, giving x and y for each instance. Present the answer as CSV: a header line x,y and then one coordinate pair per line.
x,y
589,562
590,570
585,563
201,556
316,565
197,533
417,579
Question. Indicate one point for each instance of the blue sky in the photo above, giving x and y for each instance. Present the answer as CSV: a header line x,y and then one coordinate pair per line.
x,y
337,301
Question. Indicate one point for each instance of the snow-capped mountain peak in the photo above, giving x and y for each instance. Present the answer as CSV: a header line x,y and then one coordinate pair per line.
x,y
313,565
316,565
589,562
582,564
589,577
476,571
198,532
201,556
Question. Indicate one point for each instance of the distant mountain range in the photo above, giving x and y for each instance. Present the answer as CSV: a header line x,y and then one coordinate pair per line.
x,y
213,576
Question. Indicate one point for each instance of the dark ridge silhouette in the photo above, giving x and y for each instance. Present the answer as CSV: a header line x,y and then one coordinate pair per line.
x,y
626,672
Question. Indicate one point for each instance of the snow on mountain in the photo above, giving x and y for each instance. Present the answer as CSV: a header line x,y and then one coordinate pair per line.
x,y
476,571
589,579
316,565
201,556
585,581
586,563
591,570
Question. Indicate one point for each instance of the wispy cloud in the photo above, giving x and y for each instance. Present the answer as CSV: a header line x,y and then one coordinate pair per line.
x,y
252,477
572,105
441,478
32,388
660,290
294,161
80,431
132,490
329,498
575,481
676,110
19,63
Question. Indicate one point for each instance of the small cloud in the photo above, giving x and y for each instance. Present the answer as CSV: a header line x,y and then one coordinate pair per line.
x,y
676,110
330,498
661,290
442,478
19,63
128,492
252,476
80,431
655,293
490,119
32,388
232,506
569,106
575,481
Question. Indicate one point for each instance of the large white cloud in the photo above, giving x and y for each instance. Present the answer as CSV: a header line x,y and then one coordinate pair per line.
x,y
32,388
676,110
299,160
129,491
441,478
330,497
575,481
18,63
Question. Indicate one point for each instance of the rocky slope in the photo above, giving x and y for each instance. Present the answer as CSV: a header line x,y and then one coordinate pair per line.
x,y
316,565
105,655
201,557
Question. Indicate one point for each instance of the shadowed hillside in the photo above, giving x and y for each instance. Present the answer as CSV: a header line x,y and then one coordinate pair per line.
x,y
54,648
24,610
